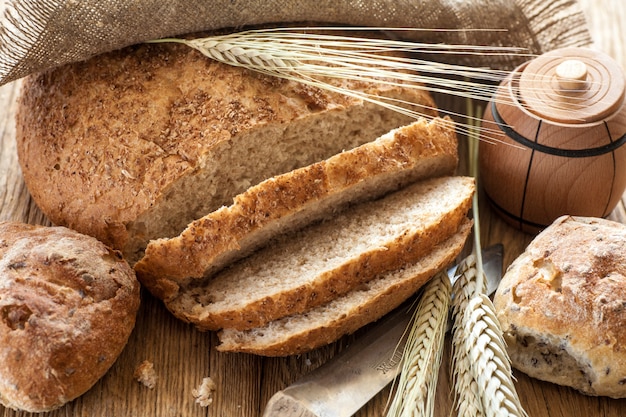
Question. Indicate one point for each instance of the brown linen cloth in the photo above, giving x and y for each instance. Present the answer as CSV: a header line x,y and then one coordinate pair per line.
x,y
36,35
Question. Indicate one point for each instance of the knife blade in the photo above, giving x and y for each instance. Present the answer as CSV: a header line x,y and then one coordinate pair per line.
x,y
344,384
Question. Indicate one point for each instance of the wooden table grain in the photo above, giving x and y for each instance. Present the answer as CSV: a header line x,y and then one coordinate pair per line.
x,y
182,356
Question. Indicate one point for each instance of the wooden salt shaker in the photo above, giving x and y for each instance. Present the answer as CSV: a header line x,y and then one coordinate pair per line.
x,y
552,139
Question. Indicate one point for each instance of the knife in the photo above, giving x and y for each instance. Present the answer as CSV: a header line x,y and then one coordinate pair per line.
x,y
344,384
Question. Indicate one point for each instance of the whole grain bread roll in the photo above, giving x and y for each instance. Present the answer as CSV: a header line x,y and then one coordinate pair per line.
x,y
562,306
67,307
135,144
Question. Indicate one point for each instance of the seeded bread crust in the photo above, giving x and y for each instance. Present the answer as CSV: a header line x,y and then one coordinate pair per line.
x,y
67,307
562,306
327,323
318,263
122,146
289,201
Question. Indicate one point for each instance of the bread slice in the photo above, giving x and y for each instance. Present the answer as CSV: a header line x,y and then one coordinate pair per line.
x,y
318,263
289,201
326,323
135,144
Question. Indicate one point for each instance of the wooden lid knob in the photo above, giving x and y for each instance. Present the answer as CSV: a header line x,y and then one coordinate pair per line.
x,y
572,86
572,75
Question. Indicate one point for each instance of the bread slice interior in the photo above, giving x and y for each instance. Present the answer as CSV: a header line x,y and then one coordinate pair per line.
x,y
300,197
326,323
318,263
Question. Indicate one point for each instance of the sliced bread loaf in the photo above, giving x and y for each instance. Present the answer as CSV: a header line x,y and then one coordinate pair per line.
x,y
287,202
326,323
318,263
135,144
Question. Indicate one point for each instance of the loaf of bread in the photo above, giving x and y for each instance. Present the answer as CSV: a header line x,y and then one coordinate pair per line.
x,y
316,264
327,323
67,307
289,201
562,306
240,181
134,145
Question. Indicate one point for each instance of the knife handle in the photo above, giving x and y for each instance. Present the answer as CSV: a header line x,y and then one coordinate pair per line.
x,y
284,405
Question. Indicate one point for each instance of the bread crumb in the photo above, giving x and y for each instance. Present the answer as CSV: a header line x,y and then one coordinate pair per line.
x,y
145,374
204,393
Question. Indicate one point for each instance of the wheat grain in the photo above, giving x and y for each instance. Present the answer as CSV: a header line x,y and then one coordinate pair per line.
x,y
415,394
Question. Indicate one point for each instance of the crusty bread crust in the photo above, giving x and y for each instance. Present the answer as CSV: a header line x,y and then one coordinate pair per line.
x,y
316,264
120,146
327,323
562,306
67,307
289,201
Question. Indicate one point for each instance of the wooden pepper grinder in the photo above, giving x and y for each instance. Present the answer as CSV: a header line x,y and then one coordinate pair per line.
x,y
553,139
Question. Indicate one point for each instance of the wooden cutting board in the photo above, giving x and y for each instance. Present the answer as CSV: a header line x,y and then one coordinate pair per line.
x,y
182,356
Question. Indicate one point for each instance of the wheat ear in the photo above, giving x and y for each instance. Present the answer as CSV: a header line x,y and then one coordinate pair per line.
x,y
482,375
415,394
467,396
491,365
306,56
483,379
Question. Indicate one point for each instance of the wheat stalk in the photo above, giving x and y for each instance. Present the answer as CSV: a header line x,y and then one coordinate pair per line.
x,y
415,394
475,115
467,398
482,378
307,56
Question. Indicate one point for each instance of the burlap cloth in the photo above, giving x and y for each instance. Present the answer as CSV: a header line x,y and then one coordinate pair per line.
x,y
35,35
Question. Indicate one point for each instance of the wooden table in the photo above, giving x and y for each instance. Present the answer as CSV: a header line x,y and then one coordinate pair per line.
x,y
183,356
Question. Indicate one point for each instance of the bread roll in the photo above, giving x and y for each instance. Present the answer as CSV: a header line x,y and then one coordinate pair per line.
x,y
562,306
135,144
67,307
